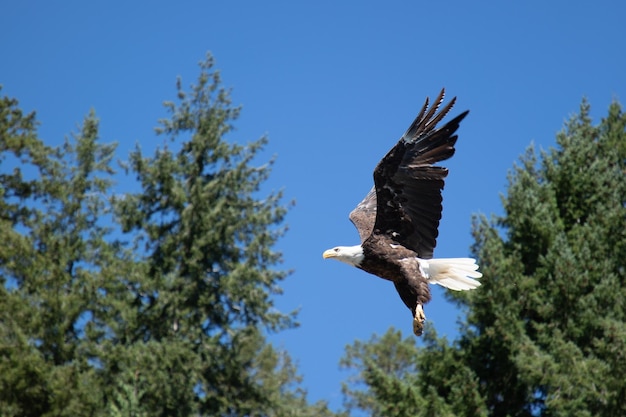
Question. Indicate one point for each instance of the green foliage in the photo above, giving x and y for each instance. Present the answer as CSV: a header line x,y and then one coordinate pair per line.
x,y
51,203
146,303
205,250
546,332
387,366
551,310
396,378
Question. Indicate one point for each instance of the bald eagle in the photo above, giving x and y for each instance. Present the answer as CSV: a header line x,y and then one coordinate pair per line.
x,y
398,219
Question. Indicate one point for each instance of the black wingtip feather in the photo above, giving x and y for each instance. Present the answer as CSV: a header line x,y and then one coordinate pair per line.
x,y
428,118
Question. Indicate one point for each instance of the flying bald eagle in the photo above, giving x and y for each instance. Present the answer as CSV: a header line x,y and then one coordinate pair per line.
x,y
398,219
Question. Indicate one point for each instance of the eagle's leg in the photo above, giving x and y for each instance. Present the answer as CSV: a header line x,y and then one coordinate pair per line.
x,y
418,319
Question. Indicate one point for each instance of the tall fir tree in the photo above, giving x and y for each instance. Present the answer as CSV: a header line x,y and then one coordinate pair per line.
x,y
204,242
205,271
546,332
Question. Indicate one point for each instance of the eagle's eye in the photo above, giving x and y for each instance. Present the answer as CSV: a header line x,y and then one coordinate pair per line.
x,y
336,249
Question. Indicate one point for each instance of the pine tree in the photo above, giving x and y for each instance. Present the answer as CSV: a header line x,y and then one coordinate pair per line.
x,y
546,332
206,271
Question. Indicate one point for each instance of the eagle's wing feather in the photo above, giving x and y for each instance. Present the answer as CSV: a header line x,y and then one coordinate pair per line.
x,y
364,215
408,186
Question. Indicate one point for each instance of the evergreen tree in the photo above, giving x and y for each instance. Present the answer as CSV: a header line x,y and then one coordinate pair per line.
x,y
207,268
546,332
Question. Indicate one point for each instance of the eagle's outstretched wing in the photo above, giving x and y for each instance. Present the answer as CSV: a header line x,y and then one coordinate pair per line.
x,y
408,186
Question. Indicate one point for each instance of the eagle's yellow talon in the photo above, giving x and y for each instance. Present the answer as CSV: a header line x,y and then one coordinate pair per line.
x,y
418,320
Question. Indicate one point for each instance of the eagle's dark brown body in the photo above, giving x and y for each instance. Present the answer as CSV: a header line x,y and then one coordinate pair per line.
x,y
400,266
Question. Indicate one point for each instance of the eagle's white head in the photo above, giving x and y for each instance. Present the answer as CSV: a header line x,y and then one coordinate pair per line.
x,y
352,255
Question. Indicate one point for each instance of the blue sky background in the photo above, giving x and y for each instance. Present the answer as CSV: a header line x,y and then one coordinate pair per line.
x,y
333,85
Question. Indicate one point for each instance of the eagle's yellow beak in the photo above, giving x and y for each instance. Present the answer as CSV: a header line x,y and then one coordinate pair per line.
x,y
330,253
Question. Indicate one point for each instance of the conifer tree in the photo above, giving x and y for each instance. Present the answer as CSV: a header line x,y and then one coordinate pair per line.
x,y
208,270
205,273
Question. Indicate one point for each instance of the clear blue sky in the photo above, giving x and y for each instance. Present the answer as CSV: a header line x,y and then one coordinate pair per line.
x,y
333,85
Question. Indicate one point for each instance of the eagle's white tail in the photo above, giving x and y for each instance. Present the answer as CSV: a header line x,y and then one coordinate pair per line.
x,y
453,273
